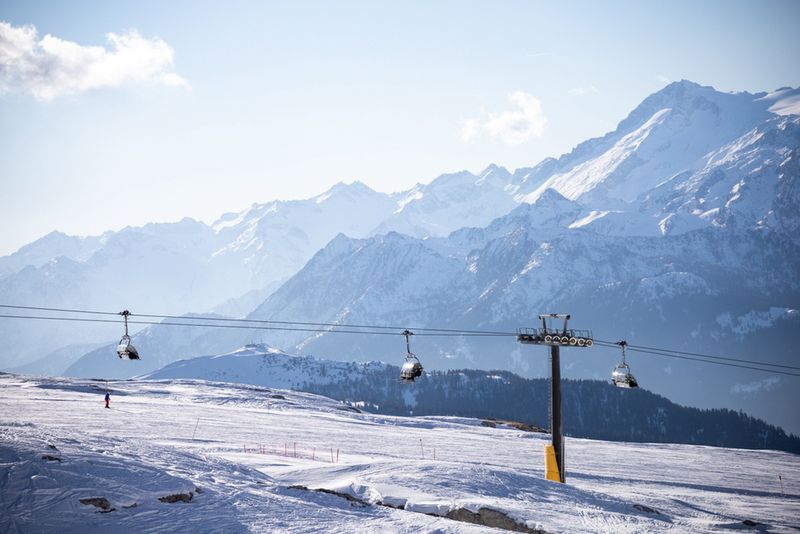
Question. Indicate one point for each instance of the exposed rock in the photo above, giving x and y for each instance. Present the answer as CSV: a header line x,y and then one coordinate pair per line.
x,y
485,516
177,497
490,518
100,502
646,509
492,422
50,458
353,500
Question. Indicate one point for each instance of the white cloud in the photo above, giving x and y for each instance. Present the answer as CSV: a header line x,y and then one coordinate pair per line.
x,y
511,127
663,79
50,67
766,384
583,91
470,129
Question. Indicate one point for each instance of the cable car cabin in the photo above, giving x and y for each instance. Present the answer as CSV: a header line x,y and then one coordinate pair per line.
x,y
622,378
125,350
411,369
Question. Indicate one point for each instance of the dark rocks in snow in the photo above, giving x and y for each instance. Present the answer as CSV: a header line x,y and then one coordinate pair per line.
x,y
490,518
484,516
646,509
177,497
99,502
51,458
492,423
355,501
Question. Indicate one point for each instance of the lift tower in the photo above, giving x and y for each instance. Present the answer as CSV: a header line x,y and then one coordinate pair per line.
x,y
555,338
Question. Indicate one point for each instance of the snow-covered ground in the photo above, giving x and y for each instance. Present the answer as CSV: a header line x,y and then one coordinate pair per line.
x,y
242,455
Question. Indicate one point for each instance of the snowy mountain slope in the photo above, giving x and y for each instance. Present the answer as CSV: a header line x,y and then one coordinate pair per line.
x,y
157,267
750,182
669,132
179,267
784,101
158,346
261,365
716,240
230,266
592,409
242,256
664,290
277,238
248,459
452,201
49,247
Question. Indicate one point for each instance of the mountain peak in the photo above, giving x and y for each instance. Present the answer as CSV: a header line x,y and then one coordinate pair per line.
x,y
493,173
355,188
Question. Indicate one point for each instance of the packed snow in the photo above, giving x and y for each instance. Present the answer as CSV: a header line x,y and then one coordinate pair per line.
x,y
181,456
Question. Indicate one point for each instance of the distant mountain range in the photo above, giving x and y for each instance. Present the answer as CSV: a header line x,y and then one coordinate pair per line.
x,y
679,229
592,409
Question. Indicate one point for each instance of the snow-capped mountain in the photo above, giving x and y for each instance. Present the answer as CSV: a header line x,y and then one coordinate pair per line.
x,y
53,245
677,228
669,132
673,291
230,266
431,210
714,237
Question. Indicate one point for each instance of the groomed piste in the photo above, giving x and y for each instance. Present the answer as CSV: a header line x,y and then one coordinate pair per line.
x,y
196,456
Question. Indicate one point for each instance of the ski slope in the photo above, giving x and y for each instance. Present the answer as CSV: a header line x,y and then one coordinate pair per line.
x,y
249,459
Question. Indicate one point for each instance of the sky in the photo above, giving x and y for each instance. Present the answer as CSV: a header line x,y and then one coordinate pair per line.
x,y
123,113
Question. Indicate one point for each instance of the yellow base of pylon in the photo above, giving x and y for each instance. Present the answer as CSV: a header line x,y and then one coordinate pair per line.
x,y
551,464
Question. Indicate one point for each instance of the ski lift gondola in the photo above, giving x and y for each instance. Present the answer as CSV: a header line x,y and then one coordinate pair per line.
x,y
621,375
411,368
125,350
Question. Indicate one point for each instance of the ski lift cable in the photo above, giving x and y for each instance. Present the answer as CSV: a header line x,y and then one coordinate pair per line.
x,y
353,329
264,321
698,354
240,327
642,348
668,355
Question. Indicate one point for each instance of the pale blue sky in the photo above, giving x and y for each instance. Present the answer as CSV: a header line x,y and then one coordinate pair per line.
x,y
287,99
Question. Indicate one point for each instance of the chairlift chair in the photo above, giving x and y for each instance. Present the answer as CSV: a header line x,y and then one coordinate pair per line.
x,y
411,368
126,350
621,375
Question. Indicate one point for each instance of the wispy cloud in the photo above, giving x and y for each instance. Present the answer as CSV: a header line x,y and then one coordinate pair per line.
x,y
663,79
538,54
50,67
583,91
755,387
513,127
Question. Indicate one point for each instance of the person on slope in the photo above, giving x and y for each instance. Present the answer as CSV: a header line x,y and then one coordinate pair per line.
x,y
108,399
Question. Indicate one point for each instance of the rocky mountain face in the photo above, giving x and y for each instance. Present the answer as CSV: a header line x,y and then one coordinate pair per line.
x,y
228,267
703,259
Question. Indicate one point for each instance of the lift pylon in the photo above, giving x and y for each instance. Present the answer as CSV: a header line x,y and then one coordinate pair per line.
x,y
555,338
